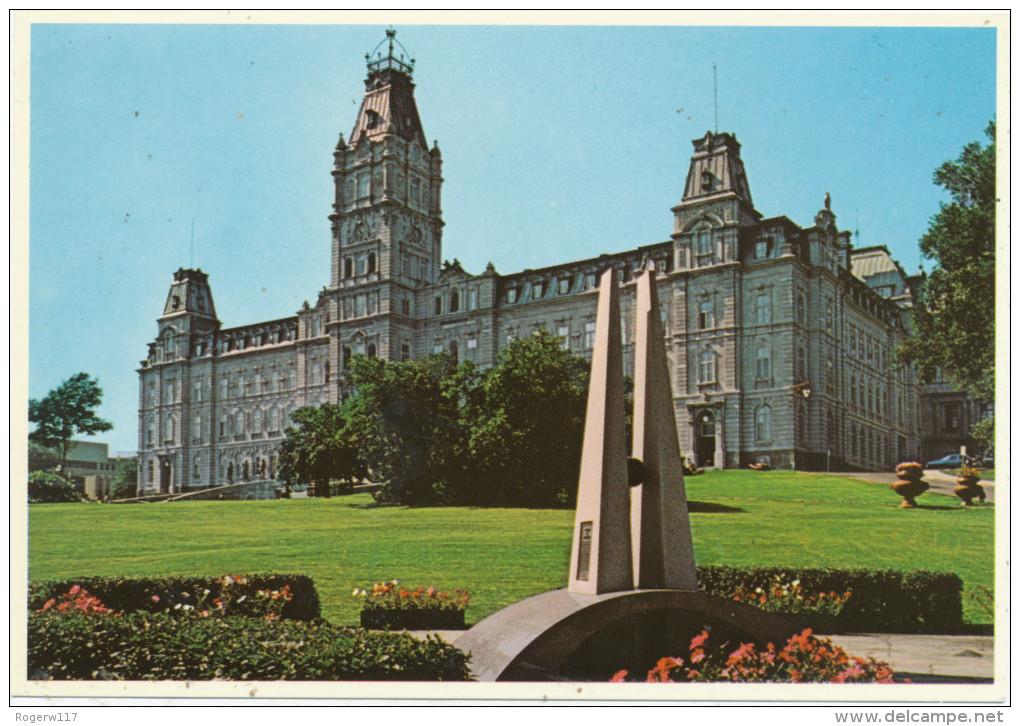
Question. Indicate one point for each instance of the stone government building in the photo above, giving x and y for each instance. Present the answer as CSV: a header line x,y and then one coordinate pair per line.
x,y
780,337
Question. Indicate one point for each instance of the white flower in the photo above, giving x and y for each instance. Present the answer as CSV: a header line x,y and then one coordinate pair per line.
x,y
757,589
228,580
177,606
188,607
242,598
795,583
205,592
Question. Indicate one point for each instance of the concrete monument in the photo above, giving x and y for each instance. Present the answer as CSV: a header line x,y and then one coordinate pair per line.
x,y
631,530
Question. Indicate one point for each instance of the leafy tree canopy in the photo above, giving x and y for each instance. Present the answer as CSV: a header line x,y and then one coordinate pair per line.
x,y
323,444
954,319
65,412
41,458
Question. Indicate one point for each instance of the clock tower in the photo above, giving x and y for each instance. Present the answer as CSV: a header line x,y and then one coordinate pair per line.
x,y
387,219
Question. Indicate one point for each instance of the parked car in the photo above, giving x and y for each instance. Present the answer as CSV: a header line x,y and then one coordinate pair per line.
x,y
949,461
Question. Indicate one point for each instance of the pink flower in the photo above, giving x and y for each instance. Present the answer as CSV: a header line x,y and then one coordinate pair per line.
x,y
155,598
699,640
619,677
75,590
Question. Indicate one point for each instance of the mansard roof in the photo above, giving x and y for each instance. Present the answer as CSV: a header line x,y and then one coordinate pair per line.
x,y
388,106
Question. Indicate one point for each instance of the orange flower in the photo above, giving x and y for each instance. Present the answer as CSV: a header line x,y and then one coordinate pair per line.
x,y
619,677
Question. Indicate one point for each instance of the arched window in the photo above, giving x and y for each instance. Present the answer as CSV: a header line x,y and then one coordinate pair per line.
x,y
371,262
763,368
763,423
454,301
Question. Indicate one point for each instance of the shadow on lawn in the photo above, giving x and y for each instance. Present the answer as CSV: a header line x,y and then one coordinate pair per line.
x,y
711,508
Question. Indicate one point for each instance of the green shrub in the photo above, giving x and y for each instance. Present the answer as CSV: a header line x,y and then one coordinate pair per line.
x,y
161,594
156,646
49,487
881,601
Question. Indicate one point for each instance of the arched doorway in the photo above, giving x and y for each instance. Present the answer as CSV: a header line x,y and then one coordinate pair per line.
x,y
166,478
704,438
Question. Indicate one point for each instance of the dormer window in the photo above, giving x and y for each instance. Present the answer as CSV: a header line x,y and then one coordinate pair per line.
x,y
372,119
175,303
761,248
511,295
708,181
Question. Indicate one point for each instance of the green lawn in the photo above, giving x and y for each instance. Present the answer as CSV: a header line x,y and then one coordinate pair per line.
x,y
504,555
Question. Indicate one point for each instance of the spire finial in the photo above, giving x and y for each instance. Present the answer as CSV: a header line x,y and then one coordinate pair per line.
x,y
377,62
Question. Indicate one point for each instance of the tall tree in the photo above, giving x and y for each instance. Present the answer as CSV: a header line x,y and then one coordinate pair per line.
x,y
954,319
323,445
65,412
527,424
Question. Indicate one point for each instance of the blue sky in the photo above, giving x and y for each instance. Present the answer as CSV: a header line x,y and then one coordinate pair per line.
x,y
558,143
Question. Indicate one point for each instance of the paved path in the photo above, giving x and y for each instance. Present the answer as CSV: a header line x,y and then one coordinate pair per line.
x,y
940,481
933,658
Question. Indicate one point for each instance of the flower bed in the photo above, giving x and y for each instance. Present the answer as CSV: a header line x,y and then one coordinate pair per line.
x,y
804,659
880,601
388,605
287,597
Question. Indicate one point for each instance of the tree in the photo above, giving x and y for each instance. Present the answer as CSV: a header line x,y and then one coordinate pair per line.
x,y
954,319
527,424
67,411
49,487
412,437
41,458
323,445
125,484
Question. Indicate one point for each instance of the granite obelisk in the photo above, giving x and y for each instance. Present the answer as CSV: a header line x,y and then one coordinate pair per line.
x,y
662,548
600,559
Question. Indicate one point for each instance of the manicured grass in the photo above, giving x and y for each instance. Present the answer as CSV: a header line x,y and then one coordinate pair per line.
x,y
988,474
739,518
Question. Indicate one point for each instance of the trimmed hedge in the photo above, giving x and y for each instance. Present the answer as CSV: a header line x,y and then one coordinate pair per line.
x,y
157,646
882,601
130,594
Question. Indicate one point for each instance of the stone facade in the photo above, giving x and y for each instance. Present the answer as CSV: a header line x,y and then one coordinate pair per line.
x,y
780,349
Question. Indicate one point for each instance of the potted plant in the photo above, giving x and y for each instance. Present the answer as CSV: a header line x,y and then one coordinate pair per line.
x,y
909,485
389,605
967,487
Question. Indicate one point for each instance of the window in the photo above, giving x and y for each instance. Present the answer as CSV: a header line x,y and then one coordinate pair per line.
x,y
590,281
196,470
371,350
362,305
274,419
454,301
589,335
371,262
801,310
706,315
473,298
415,190
830,315
196,429
437,348
348,267
454,351
706,369
439,305
152,471
405,352
563,332
830,375
169,432
239,424
761,248
472,343
763,367
853,391
703,242
373,299
853,342
801,365
763,308
564,286
256,421
763,423
511,295
537,290
364,182
150,434
197,396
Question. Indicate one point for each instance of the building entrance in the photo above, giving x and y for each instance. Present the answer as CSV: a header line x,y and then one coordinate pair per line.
x,y
704,439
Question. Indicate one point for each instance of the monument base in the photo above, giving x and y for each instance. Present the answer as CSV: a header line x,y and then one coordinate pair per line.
x,y
562,636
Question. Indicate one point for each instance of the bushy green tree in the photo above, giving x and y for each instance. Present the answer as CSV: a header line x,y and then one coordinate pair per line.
x,y
322,445
41,458
527,424
411,433
50,487
125,483
954,320
65,412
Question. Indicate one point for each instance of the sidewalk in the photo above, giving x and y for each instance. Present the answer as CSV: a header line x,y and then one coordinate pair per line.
x,y
920,658
939,481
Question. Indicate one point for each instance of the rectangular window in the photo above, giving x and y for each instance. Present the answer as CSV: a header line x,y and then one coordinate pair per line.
x,y
473,298
706,369
589,335
763,369
511,295
703,242
405,307
763,308
439,305
362,302
761,248
801,310
706,315
415,190
364,182
564,285
472,343
563,332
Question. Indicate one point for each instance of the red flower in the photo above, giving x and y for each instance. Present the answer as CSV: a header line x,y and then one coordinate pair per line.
x,y
699,640
619,677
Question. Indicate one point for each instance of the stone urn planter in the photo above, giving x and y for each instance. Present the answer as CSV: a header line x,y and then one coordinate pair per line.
x,y
967,487
909,485
380,619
